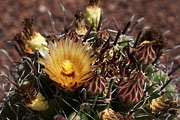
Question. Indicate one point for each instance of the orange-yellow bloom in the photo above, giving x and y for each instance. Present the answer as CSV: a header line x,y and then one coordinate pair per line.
x,y
67,63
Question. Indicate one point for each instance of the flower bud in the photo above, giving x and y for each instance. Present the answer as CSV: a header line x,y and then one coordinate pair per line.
x,y
144,53
95,85
131,91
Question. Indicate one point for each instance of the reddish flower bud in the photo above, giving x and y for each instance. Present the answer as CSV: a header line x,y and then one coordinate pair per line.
x,y
144,53
96,85
131,91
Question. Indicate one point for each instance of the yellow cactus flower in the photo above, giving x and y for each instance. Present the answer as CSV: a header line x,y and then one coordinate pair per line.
x,y
39,103
93,13
67,63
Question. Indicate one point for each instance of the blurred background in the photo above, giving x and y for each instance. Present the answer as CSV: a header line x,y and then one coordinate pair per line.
x,y
162,15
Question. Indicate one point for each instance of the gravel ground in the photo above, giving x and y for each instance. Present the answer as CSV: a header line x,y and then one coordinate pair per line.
x,y
163,15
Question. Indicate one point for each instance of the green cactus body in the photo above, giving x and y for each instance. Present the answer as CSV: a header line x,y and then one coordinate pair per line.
x,y
92,73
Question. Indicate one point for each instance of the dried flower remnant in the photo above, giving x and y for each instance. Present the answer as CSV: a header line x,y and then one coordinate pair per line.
x,y
67,63
80,27
30,41
158,105
93,13
32,99
39,104
109,114
149,35
131,91
153,36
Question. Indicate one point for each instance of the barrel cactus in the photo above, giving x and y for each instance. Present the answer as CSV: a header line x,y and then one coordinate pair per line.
x,y
87,72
